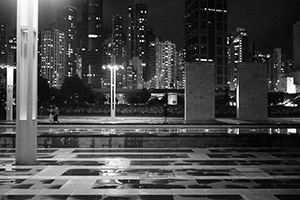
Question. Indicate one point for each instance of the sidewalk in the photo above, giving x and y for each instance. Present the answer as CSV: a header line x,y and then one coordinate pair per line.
x,y
127,120
160,120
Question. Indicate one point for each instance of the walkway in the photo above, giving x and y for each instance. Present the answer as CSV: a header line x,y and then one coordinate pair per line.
x,y
158,120
154,174
166,173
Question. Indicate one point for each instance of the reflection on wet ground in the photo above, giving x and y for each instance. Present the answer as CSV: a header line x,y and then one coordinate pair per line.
x,y
186,140
176,130
151,174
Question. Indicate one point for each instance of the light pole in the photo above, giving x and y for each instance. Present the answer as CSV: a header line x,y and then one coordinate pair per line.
x,y
113,68
9,90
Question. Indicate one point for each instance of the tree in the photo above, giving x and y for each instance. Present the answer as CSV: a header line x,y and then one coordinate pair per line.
x,y
2,97
142,97
44,92
101,98
74,91
130,97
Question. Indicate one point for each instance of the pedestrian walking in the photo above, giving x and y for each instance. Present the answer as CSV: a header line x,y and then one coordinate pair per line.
x,y
51,114
165,108
55,114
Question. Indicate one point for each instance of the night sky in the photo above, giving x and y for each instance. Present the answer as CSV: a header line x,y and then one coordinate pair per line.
x,y
269,22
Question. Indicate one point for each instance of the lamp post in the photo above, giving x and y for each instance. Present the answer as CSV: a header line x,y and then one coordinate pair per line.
x,y
113,74
9,90
9,93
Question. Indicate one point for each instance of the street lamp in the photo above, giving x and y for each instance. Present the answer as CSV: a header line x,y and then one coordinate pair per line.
x,y
9,90
113,68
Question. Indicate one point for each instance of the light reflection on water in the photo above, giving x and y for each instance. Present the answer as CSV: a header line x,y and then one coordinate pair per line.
x,y
269,131
158,137
155,131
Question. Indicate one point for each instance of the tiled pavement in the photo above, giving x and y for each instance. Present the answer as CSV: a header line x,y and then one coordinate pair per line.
x,y
154,174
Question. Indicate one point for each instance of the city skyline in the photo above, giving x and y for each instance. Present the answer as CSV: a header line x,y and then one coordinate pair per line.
x,y
269,23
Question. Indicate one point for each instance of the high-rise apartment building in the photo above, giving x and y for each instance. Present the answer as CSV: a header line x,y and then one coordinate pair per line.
x,y
206,35
137,43
296,48
137,30
53,57
151,65
90,28
138,65
118,48
165,65
238,51
149,72
118,42
296,45
67,22
276,69
180,72
2,43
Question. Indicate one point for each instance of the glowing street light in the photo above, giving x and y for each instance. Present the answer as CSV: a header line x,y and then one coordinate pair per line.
x,y
113,68
9,90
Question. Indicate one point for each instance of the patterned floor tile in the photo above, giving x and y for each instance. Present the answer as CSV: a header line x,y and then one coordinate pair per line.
x,y
153,174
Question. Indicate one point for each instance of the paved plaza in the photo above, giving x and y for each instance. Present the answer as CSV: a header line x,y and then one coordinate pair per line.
x,y
165,173
154,174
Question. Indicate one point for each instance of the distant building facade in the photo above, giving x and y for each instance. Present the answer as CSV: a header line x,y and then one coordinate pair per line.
x,y
136,35
165,64
118,49
296,48
53,57
180,72
118,42
296,45
276,69
90,28
206,35
3,57
238,52
67,22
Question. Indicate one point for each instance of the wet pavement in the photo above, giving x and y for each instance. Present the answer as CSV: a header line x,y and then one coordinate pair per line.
x,y
136,158
153,174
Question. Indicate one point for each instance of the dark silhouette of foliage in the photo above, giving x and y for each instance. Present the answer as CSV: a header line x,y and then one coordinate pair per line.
x,y
2,97
44,92
101,98
141,97
74,91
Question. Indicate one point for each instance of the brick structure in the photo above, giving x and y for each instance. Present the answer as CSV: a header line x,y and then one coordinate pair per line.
x,y
199,92
252,92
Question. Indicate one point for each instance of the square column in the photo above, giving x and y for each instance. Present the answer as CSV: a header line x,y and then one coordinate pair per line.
x,y
252,92
26,119
200,92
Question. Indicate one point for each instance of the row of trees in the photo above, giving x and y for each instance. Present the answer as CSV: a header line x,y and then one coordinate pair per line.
x,y
72,92
75,93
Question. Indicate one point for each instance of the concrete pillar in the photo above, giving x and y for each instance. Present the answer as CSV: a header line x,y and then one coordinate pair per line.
x,y
200,92
252,92
26,121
